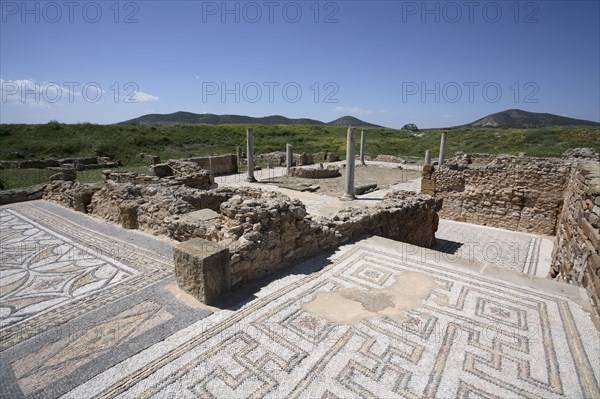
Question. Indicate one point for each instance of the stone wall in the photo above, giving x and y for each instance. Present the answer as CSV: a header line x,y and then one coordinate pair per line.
x,y
263,231
218,165
71,194
173,173
318,172
266,231
144,207
515,193
389,158
150,207
74,163
278,158
22,194
576,257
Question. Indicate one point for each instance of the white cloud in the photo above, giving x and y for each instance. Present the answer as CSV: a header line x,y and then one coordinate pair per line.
x,y
142,97
359,111
34,93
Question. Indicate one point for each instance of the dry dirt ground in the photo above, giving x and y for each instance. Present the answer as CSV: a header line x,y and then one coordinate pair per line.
x,y
383,176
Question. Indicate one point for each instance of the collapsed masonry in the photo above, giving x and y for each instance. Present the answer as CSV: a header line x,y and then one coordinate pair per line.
x,y
233,235
84,163
550,196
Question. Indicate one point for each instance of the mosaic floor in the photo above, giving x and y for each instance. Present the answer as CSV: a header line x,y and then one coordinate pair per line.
x,y
521,252
74,302
468,335
377,318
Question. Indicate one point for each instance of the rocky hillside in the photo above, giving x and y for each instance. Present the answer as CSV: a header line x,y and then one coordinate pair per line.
x,y
189,118
516,118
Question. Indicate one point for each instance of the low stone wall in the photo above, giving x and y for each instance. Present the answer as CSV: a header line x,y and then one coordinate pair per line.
x,y
276,158
515,193
30,164
389,158
263,231
144,207
576,257
218,165
129,177
150,159
266,231
71,194
22,194
154,208
73,163
173,173
325,157
316,173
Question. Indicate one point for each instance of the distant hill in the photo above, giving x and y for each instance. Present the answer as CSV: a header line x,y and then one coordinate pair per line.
x,y
516,118
350,121
185,118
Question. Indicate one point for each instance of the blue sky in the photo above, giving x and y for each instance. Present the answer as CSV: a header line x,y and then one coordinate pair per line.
x,y
435,64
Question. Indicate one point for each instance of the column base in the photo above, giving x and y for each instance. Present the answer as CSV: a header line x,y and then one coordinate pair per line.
x,y
251,179
347,197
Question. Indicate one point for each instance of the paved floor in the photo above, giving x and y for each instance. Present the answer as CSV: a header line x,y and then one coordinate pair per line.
x,y
78,296
316,203
88,309
467,334
523,252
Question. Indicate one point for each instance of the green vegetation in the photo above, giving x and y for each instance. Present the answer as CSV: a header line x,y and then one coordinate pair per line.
x,y
16,178
181,118
519,119
125,142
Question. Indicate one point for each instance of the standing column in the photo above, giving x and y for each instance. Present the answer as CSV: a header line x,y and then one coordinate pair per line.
x,y
362,147
289,156
427,157
350,144
250,155
442,149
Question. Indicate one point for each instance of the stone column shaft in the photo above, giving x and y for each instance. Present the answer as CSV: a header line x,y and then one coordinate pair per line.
x,y
442,149
250,155
350,150
289,157
427,157
362,147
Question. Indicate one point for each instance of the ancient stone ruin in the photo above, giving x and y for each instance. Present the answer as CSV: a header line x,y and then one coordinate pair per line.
x,y
549,196
319,172
260,231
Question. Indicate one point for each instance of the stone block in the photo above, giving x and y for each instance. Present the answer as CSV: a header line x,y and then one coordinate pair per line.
x,y
304,159
128,212
202,269
161,170
316,173
331,157
65,174
590,232
82,198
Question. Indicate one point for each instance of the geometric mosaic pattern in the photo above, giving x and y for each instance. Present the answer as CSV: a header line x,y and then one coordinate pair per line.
x,y
41,270
471,336
75,303
502,248
48,278
41,368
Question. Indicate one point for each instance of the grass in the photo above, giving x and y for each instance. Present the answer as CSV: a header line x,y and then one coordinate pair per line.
x,y
16,178
125,142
